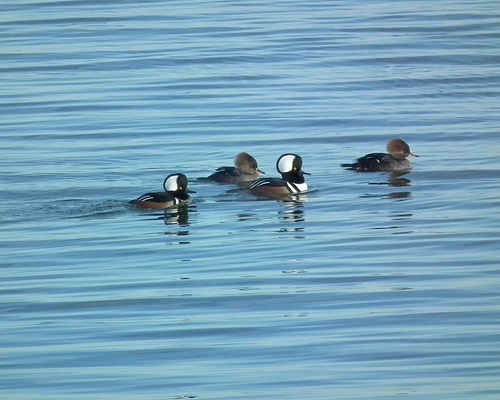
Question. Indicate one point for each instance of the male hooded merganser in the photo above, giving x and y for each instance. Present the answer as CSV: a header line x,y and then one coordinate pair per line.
x,y
176,192
292,178
245,170
394,161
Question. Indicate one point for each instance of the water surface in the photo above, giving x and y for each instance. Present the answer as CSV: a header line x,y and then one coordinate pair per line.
x,y
371,286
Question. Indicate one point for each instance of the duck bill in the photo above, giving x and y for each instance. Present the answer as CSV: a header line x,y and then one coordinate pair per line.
x,y
305,173
191,191
412,155
259,171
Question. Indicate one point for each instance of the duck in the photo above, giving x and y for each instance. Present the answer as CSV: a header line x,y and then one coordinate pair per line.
x,y
245,170
176,192
394,160
292,179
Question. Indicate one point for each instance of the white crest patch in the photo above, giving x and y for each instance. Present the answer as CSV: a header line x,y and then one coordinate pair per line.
x,y
285,164
171,183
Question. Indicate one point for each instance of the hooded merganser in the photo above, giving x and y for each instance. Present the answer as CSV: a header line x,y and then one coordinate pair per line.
x,y
245,170
292,178
396,160
176,192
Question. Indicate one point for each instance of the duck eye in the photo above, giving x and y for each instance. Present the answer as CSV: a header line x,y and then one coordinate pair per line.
x,y
181,188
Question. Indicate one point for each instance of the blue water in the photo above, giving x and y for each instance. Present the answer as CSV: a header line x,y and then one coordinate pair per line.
x,y
371,286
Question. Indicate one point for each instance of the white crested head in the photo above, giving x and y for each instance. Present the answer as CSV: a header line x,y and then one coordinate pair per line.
x,y
171,183
286,163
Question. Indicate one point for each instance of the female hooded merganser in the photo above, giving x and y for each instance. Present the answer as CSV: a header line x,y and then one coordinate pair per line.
x,y
290,168
394,161
245,170
176,192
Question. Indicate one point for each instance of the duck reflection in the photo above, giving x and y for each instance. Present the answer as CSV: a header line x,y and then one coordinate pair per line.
x,y
242,217
292,212
393,195
394,179
178,216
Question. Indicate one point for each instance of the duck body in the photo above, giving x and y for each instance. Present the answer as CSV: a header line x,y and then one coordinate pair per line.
x,y
245,170
176,192
379,162
231,175
156,201
292,179
395,160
